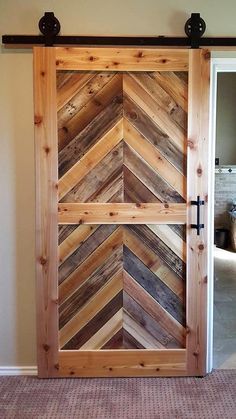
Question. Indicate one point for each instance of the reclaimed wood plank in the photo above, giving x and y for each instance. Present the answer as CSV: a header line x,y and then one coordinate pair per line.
x,y
147,127
154,158
135,191
96,153
93,283
154,286
149,304
148,323
145,101
161,249
84,250
149,177
90,263
101,183
91,308
96,323
93,120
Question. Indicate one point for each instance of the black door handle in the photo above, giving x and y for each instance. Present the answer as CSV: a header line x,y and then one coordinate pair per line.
x,y
198,226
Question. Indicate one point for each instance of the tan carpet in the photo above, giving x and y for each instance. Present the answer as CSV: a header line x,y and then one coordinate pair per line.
x,y
135,398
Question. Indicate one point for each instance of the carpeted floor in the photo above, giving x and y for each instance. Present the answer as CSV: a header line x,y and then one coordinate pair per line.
x,y
135,398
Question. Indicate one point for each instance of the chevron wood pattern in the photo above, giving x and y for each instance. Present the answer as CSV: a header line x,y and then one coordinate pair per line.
x,y
122,286
122,136
122,139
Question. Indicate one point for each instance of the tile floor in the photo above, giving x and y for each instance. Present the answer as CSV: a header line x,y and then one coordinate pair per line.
x,y
224,355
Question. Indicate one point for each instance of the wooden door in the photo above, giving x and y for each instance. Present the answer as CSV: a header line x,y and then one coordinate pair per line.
x,y
121,139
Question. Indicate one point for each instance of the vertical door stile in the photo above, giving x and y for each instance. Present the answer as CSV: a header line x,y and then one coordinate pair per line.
x,y
198,133
45,121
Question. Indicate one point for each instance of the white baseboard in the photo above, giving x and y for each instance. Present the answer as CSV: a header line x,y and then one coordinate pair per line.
x,y
18,370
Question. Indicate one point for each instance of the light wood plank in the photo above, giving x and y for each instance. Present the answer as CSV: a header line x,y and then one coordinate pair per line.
x,y
121,59
123,363
163,120
154,158
154,309
46,210
90,264
105,333
153,262
90,160
171,239
122,213
140,333
198,134
88,311
74,240
72,84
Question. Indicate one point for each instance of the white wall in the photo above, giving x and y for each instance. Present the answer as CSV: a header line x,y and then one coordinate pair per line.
x,y
106,17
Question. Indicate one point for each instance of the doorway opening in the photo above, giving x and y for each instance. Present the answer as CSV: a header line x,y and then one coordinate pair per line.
x,y
222,218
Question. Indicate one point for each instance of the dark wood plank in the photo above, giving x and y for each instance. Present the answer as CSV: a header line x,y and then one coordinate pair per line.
x,y
179,229
148,323
84,250
92,285
96,323
161,189
92,121
160,248
153,133
135,190
64,231
116,342
82,97
154,286
100,184
162,98
129,342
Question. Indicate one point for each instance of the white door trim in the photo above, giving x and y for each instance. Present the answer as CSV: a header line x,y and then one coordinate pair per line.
x,y
218,65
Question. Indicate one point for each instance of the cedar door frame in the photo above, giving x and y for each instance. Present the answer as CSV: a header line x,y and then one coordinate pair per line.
x,y
51,361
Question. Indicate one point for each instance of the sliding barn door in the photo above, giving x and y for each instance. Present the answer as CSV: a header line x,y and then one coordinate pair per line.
x,y
121,153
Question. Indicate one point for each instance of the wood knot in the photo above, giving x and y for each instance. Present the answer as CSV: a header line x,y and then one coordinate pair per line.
x,y
72,372
43,260
201,247
190,144
65,129
138,204
205,279
91,58
111,213
46,347
207,55
166,205
38,119
133,115
56,366
58,62
42,73
196,353
115,63
80,221
140,54
199,171
142,364
47,149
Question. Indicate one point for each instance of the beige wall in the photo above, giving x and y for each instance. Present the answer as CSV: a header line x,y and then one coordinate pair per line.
x,y
226,120
132,17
